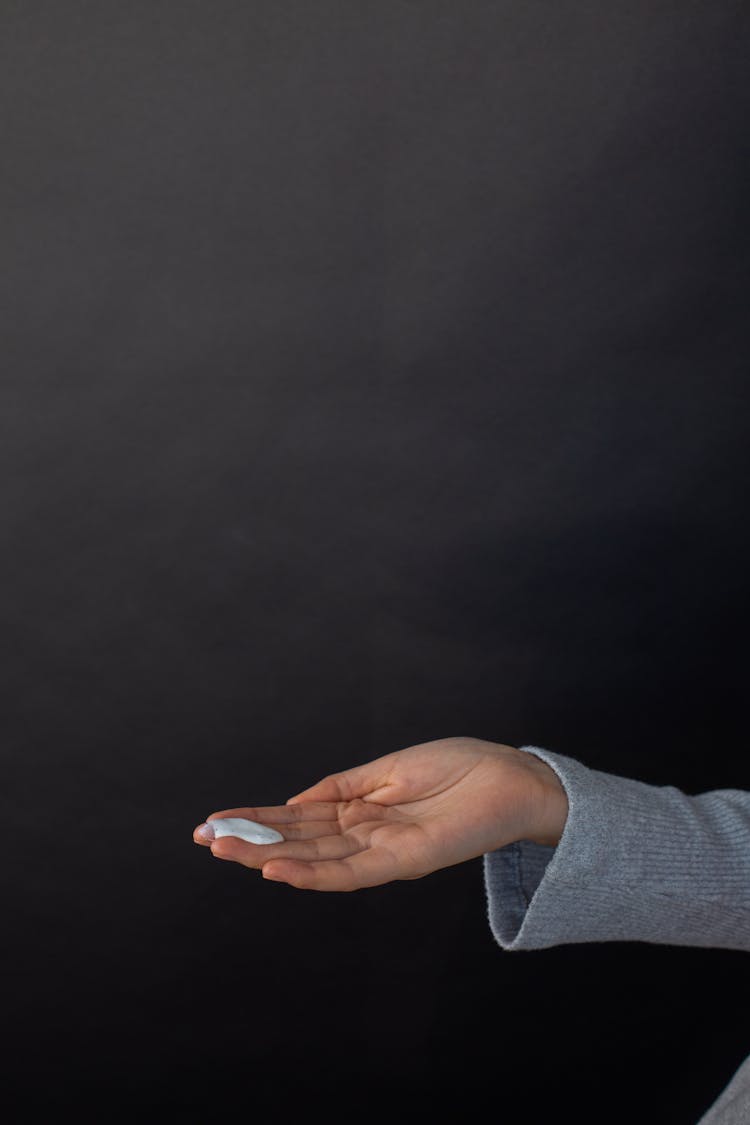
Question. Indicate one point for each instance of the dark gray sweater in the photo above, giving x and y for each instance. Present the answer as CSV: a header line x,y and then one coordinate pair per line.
x,y
635,862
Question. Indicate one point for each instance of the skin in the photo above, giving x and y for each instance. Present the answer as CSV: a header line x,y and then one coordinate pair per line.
x,y
403,816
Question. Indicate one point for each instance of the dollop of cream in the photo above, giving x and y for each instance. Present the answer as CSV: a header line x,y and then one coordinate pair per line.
x,y
248,830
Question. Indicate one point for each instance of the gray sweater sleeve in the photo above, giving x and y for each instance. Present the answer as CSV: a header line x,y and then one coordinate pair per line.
x,y
635,862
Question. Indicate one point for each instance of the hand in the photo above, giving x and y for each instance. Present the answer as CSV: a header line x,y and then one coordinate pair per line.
x,y
404,815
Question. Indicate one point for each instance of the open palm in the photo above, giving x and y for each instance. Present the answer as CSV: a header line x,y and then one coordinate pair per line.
x,y
401,816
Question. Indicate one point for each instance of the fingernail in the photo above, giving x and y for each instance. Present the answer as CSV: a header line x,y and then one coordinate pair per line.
x,y
206,832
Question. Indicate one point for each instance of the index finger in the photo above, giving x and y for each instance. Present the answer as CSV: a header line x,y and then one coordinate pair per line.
x,y
284,814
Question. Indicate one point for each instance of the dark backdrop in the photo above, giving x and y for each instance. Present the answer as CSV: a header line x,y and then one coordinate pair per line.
x,y
371,374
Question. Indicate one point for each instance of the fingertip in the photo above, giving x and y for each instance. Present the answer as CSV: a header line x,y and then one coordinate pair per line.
x,y
284,871
272,874
276,873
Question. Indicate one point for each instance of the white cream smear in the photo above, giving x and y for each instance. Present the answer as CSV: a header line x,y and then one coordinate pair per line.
x,y
248,830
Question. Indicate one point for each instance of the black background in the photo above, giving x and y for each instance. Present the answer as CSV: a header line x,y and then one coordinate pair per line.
x,y
371,374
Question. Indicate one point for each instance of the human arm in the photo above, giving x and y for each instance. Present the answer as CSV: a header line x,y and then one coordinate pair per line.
x,y
635,862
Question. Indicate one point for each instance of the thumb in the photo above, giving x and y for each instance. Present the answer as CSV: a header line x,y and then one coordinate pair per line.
x,y
360,781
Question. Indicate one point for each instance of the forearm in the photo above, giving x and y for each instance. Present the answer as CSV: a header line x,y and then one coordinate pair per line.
x,y
633,862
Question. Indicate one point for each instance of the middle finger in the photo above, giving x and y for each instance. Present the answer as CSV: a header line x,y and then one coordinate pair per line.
x,y
255,855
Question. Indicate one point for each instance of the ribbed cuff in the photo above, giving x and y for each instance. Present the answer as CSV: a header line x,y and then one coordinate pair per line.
x,y
635,862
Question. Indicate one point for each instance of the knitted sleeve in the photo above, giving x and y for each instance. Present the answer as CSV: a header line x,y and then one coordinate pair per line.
x,y
635,862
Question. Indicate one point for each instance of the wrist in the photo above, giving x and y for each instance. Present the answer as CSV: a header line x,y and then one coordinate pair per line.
x,y
551,808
